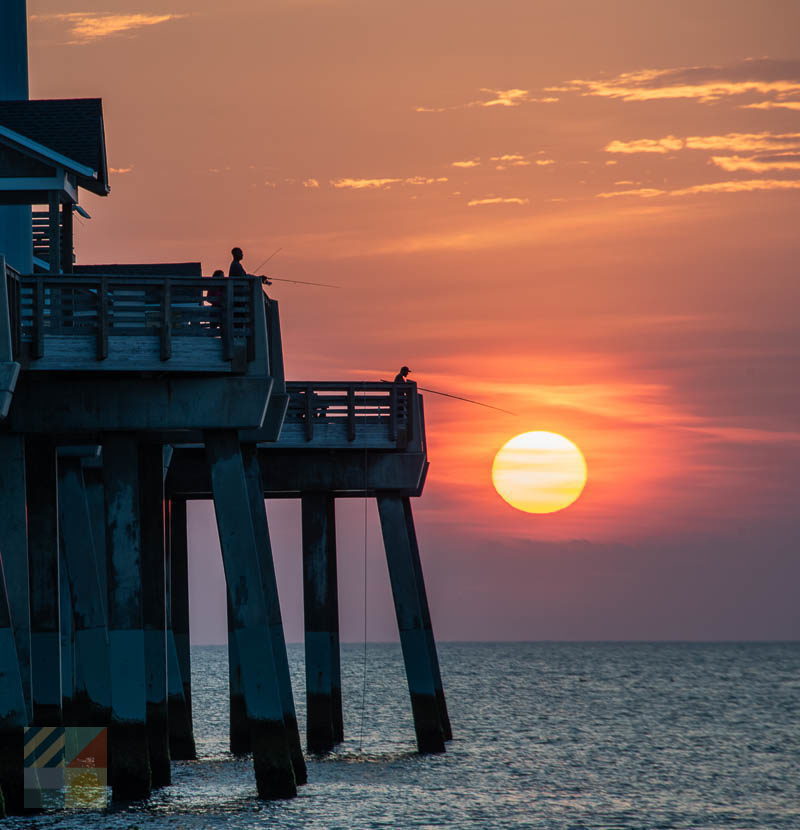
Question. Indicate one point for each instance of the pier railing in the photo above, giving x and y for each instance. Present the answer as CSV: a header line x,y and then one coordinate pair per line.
x,y
335,414
135,323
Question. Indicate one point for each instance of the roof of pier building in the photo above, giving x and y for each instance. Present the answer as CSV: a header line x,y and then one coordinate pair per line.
x,y
68,133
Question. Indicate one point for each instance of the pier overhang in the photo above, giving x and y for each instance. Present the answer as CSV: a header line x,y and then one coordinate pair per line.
x,y
77,405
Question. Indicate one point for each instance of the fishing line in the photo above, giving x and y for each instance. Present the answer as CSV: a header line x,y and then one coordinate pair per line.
x,y
364,668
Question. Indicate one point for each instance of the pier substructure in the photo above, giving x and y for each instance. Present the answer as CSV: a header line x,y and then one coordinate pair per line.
x,y
271,755
91,698
181,736
128,744
43,553
154,607
406,590
323,673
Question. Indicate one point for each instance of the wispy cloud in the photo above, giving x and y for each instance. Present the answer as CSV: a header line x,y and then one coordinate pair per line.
x,y
510,160
86,27
120,170
646,145
743,186
380,184
467,163
498,200
705,84
758,164
734,142
772,105
312,183
495,98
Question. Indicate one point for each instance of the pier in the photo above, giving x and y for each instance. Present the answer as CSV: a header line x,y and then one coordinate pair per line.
x,y
125,391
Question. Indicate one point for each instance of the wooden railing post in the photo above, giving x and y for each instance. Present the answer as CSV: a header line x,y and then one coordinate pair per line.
x,y
102,319
351,413
309,412
166,320
227,321
393,413
37,344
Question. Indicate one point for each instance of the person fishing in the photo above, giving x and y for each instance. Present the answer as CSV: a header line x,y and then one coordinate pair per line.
x,y
236,268
401,376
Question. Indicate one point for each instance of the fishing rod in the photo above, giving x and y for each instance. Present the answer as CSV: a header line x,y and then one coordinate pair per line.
x,y
259,267
458,398
302,282
294,282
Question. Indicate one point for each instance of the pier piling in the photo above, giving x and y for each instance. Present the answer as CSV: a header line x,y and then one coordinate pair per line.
x,y
413,639
271,757
91,699
419,577
154,607
128,744
43,552
255,491
181,735
321,621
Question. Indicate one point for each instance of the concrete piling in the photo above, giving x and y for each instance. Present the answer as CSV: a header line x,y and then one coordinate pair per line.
x,y
14,540
444,717
91,699
413,639
255,490
128,744
154,607
321,620
181,736
13,714
237,718
271,757
43,553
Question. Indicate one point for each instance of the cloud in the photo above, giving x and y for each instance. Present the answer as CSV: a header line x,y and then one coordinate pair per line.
x,y
744,186
705,84
313,183
467,163
380,184
755,164
545,162
734,142
510,160
86,27
645,145
120,170
495,98
772,105
745,142
498,200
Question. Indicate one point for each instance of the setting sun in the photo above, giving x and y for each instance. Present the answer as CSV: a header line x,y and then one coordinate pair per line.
x,y
539,472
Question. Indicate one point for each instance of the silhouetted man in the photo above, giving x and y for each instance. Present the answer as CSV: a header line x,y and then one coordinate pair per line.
x,y
400,377
237,269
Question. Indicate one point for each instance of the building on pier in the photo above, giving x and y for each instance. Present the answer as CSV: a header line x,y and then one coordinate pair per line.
x,y
123,394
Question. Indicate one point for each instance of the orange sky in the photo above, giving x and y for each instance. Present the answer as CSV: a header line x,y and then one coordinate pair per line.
x,y
585,213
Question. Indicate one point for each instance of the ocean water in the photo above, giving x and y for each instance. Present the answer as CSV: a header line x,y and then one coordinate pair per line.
x,y
547,735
